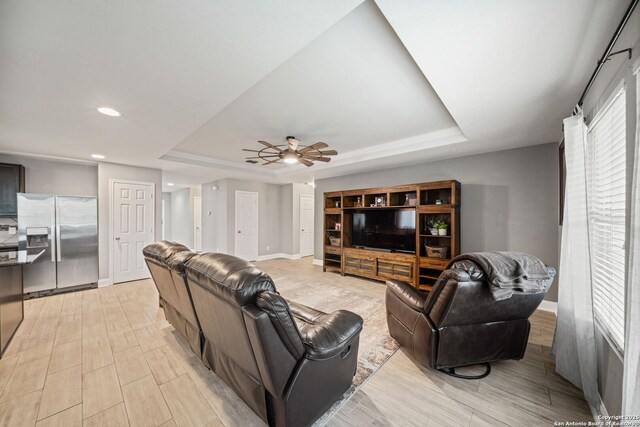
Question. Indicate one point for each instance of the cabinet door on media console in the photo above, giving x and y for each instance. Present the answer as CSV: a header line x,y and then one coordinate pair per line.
x,y
393,269
359,264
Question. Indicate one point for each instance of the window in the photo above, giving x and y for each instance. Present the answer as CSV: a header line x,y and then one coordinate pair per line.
x,y
606,192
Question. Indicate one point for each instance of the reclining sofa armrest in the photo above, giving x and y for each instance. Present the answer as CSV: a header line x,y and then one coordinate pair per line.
x,y
326,335
406,293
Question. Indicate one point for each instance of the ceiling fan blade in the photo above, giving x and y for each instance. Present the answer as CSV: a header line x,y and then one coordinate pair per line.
x,y
293,144
316,154
322,159
307,163
263,157
271,161
265,143
248,149
316,146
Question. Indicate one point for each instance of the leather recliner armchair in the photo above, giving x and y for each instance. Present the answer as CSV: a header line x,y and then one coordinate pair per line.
x,y
165,261
288,362
459,323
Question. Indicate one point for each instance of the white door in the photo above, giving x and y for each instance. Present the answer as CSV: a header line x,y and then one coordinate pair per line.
x,y
197,223
306,225
246,225
133,220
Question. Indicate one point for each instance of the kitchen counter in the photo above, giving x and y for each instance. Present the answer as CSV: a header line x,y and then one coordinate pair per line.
x,y
13,258
11,293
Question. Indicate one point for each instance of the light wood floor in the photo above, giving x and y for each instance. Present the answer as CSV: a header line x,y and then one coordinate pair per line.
x,y
107,357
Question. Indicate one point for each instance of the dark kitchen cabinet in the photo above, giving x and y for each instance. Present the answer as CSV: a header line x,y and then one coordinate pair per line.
x,y
11,183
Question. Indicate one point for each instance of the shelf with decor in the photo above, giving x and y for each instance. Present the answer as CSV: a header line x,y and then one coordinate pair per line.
x,y
439,227
420,265
332,232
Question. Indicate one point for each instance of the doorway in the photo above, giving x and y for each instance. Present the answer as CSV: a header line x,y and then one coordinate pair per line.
x,y
246,222
306,225
132,213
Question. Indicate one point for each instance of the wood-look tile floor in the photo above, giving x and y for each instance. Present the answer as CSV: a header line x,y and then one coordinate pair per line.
x,y
107,357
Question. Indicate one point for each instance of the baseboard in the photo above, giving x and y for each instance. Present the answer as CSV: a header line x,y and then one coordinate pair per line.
x,y
105,282
549,306
317,262
278,255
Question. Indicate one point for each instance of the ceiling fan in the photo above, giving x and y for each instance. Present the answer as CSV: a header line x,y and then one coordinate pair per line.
x,y
292,152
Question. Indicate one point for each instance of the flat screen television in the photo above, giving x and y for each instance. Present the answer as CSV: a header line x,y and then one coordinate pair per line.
x,y
387,229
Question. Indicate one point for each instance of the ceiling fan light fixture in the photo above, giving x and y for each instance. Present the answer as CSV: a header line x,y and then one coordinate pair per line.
x,y
290,158
290,153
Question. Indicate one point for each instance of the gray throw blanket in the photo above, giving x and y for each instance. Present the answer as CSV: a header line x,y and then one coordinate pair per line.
x,y
509,272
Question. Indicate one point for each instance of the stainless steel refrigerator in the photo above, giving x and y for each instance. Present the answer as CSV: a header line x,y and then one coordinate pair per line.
x,y
66,228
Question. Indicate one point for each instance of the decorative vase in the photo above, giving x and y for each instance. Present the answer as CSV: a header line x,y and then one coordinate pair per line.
x,y
442,231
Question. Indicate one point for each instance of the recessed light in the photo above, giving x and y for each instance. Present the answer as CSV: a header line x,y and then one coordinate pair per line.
x,y
109,111
170,184
97,156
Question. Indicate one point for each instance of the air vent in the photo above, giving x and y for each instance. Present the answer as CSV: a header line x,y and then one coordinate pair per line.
x,y
252,161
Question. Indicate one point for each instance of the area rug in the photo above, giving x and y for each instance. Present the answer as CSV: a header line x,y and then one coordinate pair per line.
x,y
304,283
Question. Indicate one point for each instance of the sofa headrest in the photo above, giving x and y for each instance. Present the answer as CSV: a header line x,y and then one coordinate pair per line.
x,y
231,278
178,261
471,268
162,251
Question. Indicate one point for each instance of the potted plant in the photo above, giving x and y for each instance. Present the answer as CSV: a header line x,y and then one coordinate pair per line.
x,y
432,225
442,227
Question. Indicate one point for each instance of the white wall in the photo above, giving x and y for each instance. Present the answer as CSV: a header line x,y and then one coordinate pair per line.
x,y
214,216
218,228
107,172
286,218
182,215
166,198
56,177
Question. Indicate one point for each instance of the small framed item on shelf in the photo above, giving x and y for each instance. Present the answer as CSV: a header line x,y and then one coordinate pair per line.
x,y
338,226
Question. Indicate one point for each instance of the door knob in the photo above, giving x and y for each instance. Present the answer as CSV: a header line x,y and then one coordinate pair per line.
x,y
117,238
239,232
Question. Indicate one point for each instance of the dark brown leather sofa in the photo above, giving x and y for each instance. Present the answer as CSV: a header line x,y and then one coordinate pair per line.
x,y
166,264
459,323
289,363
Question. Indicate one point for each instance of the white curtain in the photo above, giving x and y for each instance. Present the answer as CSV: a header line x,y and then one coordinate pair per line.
x,y
574,342
631,378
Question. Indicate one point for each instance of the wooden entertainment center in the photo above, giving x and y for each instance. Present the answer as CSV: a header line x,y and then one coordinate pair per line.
x,y
431,201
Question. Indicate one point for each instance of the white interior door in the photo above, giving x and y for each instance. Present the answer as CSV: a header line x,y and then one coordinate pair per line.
x,y
306,225
133,220
197,223
246,225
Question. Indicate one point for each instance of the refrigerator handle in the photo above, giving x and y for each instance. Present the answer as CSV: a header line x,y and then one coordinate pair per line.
x,y
53,230
58,249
